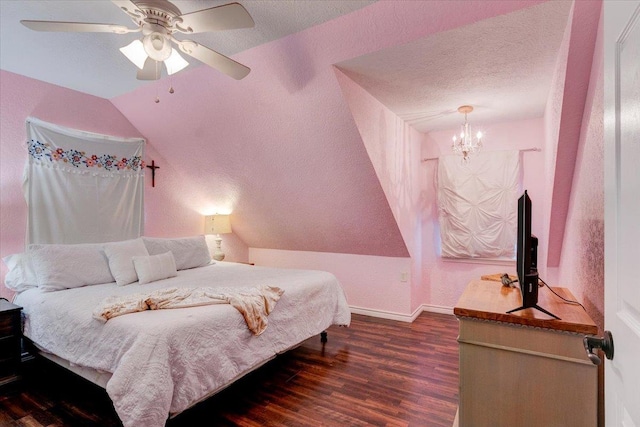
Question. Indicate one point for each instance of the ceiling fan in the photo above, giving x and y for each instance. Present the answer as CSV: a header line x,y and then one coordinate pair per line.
x,y
158,21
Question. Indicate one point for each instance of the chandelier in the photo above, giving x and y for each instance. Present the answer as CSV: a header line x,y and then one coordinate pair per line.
x,y
466,143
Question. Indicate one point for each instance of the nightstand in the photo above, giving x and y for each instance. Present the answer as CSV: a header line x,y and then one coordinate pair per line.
x,y
10,342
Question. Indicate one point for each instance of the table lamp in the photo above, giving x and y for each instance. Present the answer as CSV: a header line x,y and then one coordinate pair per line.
x,y
217,224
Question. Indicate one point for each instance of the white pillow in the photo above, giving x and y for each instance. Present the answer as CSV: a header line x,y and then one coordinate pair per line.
x,y
189,252
155,267
61,266
21,275
120,255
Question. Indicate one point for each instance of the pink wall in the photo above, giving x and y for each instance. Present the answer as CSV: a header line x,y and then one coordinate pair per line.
x,y
23,97
584,23
443,280
552,116
174,208
582,261
373,285
394,148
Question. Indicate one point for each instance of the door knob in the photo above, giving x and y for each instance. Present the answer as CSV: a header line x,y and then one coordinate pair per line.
x,y
605,343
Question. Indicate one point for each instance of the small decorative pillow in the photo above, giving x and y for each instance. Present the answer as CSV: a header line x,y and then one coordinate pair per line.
x,y
21,275
189,252
155,267
64,266
121,255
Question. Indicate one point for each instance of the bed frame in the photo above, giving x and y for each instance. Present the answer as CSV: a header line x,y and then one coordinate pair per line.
x,y
101,378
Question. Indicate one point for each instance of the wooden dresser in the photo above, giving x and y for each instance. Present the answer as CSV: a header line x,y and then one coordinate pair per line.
x,y
10,342
525,368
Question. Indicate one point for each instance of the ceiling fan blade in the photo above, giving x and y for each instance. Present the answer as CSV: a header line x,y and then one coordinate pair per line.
x,y
227,17
213,59
151,70
129,8
78,27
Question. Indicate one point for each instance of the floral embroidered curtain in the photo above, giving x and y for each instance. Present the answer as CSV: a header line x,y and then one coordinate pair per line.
x,y
478,204
82,187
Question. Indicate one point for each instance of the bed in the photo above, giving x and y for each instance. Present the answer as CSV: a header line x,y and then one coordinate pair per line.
x,y
156,363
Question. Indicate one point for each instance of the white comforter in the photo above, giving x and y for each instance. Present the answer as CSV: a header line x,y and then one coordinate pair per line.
x,y
164,361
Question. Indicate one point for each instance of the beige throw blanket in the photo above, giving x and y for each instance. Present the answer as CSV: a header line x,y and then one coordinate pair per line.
x,y
254,304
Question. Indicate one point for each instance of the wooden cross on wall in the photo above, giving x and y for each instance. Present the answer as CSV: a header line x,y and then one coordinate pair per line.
x,y
153,168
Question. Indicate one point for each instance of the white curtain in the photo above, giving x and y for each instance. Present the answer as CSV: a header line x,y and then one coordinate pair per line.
x,y
82,187
477,204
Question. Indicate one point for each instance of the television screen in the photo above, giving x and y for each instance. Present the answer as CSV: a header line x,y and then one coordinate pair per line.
x,y
523,250
527,266
527,257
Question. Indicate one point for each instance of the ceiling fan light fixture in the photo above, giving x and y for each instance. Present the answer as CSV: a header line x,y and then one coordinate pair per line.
x,y
157,46
135,53
175,62
157,21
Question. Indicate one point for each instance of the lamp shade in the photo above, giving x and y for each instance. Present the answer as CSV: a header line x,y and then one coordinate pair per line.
x,y
217,224
135,52
175,62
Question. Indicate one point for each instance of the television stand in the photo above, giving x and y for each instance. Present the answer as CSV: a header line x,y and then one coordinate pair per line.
x,y
524,369
537,307
529,290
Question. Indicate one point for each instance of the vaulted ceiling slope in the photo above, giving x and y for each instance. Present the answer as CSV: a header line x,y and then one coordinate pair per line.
x,y
280,148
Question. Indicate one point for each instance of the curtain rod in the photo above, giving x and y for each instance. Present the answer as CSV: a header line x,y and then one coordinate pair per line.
x,y
522,149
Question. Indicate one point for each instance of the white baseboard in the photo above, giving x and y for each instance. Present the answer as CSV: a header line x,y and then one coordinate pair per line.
x,y
387,314
437,309
401,317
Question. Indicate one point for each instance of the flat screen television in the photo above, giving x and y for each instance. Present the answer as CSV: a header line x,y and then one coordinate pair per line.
x,y
527,258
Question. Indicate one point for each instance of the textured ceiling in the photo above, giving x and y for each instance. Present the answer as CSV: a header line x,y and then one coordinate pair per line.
x,y
503,66
91,62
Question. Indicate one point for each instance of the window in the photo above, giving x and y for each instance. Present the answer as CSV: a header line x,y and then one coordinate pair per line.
x,y
477,205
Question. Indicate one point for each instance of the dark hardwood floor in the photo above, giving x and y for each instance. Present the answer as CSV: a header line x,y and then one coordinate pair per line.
x,y
375,373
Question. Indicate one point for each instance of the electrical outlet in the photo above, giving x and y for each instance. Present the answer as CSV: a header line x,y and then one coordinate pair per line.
x,y
404,276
